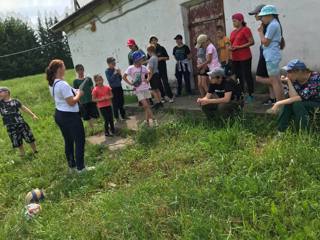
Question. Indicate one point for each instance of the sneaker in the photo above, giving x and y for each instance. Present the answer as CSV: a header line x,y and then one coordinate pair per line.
x,y
86,169
269,102
155,123
249,99
171,100
163,100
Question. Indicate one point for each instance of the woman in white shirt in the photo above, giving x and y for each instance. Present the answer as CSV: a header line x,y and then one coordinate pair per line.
x,y
67,114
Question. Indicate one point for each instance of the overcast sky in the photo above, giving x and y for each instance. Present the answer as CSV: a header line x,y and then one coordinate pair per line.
x,y
30,9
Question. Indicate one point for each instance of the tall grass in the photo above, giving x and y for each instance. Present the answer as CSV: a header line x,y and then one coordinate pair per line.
x,y
187,179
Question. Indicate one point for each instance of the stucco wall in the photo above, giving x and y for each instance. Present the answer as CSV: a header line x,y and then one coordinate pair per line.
x,y
300,21
165,18
162,18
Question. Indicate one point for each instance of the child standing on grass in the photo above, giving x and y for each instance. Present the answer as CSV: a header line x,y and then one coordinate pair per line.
x,y
102,95
114,78
137,74
17,128
153,76
88,109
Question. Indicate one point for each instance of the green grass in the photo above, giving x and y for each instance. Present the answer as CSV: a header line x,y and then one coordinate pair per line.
x,y
186,179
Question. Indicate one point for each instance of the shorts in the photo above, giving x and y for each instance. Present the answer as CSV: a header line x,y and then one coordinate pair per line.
x,y
155,82
89,111
203,72
18,132
273,68
142,95
262,66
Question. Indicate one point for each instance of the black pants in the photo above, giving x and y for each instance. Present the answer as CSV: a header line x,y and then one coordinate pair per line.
x,y
107,115
185,74
222,110
118,102
72,130
165,88
242,69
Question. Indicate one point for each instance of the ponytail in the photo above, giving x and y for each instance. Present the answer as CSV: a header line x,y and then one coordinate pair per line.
x,y
51,70
282,42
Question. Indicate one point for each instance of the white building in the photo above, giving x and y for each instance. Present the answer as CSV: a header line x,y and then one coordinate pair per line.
x,y
101,27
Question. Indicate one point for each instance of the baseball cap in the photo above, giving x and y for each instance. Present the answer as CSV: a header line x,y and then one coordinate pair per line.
x,y
202,38
152,37
257,9
111,60
179,36
4,89
295,64
131,42
217,72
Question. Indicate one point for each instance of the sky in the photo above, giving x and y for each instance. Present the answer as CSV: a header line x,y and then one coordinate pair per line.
x,y
28,10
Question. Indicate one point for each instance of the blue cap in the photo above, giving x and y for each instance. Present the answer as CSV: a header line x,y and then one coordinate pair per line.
x,y
137,55
295,64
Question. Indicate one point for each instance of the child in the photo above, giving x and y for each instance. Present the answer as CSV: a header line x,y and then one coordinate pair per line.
x,y
153,76
114,78
102,95
17,128
88,109
202,72
223,49
137,74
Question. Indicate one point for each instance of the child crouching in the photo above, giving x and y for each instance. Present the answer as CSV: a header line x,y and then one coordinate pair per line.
x,y
137,73
17,128
102,95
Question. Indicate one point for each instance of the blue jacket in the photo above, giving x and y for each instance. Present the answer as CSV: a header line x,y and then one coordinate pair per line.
x,y
113,78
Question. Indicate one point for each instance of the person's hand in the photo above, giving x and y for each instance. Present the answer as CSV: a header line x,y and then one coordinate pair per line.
x,y
284,79
261,28
203,101
274,110
81,93
234,48
119,71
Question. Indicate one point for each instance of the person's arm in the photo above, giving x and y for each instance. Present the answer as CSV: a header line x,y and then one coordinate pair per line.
x,y
125,78
150,74
28,111
174,54
267,38
72,100
95,99
250,41
225,99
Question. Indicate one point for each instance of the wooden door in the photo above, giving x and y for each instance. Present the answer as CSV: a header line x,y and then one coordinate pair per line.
x,y
203,18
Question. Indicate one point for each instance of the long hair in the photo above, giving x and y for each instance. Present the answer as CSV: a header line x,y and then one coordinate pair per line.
x,y
282,42
52,69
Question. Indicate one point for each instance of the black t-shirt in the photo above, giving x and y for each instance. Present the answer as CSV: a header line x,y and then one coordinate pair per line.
x,y
161,52
224,87
181,53
10,112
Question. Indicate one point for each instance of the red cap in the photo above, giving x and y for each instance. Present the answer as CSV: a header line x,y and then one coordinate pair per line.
x,y
131,42
238,16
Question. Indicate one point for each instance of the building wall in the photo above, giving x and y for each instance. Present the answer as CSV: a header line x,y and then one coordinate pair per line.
x,y
166,18
162,18
299,20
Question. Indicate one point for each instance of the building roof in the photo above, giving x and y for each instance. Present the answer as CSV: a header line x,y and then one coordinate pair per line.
x,y
82,11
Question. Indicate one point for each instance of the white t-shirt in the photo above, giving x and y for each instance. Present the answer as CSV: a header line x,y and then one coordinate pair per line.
x,y
61,91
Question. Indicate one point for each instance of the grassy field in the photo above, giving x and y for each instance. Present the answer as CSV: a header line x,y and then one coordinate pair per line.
x,y
184,180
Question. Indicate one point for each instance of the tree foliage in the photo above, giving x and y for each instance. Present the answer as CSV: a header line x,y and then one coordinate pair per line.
x,y
16,36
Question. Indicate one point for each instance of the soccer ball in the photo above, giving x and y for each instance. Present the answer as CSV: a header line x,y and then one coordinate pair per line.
x,y
34,196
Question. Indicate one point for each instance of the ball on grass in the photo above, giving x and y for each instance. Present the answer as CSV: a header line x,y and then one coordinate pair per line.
x,y
34,196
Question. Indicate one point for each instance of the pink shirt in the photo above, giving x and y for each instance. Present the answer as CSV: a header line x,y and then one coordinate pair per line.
x,y
134,72
215,58
100,92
